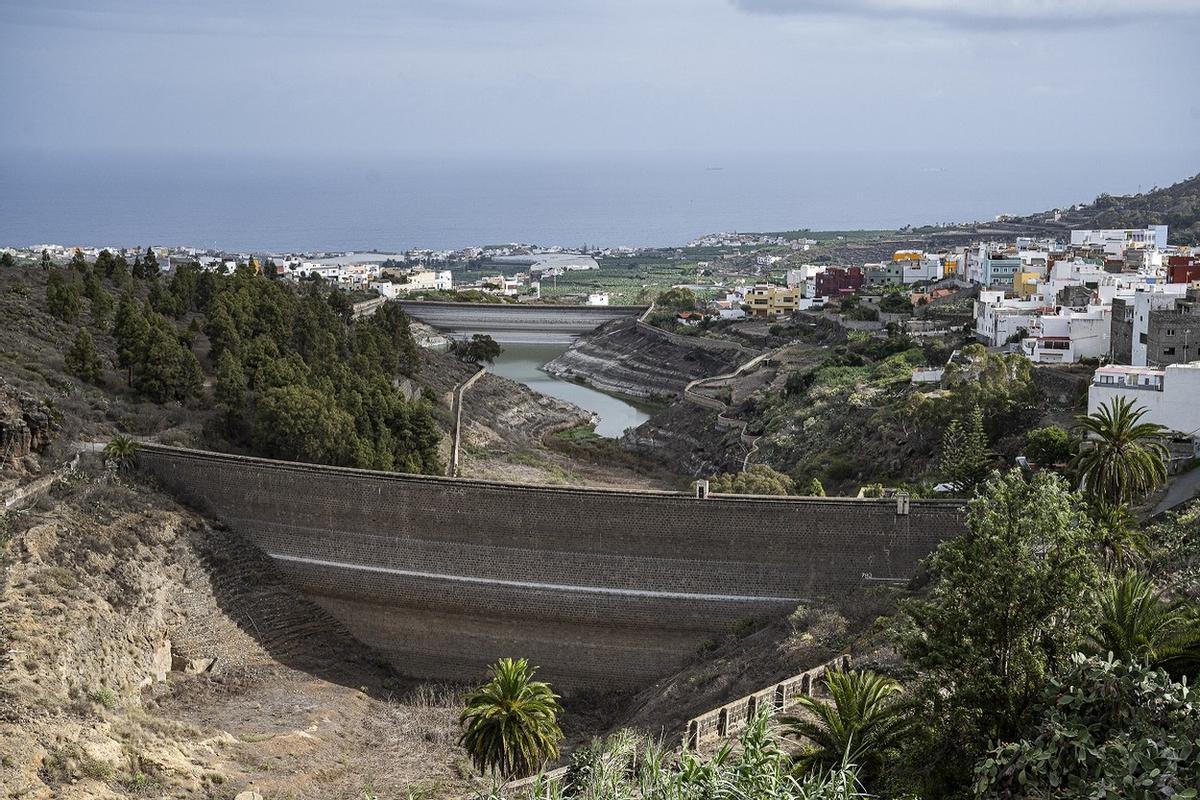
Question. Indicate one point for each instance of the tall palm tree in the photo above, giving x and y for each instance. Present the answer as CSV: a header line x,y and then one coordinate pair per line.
x,y
511,722
1122,458
1136,624
121,451
865,715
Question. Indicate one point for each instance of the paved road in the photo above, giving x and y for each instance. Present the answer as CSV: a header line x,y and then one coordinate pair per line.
x,y
1185,487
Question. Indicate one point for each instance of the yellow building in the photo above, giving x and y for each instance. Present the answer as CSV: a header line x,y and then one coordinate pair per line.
x,y
772,301
907,255
1026,283
952,265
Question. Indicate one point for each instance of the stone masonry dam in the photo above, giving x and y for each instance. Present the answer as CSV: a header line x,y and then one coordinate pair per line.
x,y
515,323
602,588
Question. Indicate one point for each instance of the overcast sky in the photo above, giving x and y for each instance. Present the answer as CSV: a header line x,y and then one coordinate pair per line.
x,y
570,77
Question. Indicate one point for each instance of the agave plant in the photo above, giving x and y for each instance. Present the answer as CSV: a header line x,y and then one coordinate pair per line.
x,y
865,714
1122,459
1136,624
511,722
121,451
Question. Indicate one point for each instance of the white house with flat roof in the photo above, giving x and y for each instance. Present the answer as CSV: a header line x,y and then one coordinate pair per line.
x,y
1171,396
999,318
1114,241
1069,334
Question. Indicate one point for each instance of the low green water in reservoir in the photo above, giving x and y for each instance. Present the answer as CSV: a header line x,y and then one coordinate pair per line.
x,y
523,363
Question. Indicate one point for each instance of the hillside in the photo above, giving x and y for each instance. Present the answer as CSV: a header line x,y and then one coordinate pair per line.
x,y
148,652
1177,205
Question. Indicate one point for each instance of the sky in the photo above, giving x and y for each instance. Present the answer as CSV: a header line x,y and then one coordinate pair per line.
x,y
561,78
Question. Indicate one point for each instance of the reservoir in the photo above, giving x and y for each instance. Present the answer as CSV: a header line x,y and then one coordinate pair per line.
x,y
523,363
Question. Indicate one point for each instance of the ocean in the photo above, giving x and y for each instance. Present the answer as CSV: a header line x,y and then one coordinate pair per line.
x,y
388,204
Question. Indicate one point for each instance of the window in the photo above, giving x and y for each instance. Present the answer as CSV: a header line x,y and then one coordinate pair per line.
x,y
1170,331
1168,351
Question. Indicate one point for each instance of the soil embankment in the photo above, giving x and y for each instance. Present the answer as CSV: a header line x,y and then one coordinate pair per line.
x,y
624,358
147,652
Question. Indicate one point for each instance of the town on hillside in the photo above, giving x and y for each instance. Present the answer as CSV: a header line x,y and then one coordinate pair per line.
x,y
1121,300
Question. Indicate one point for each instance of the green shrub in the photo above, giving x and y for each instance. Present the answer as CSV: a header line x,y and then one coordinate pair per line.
x,y
105,697
1104,729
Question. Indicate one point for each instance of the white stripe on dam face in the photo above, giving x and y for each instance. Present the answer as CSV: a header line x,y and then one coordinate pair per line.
x,y
552,587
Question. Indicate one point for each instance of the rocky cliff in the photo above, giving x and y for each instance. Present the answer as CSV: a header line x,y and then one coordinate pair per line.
x,y
622,357
26,428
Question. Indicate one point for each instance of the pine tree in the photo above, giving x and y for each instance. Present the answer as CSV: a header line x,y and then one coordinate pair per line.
x,y
129,329
7,260
102,309
231,381
78,263
120,272
966,460
150,269
46,264
166,370
104,264
62,297
91,284
82,360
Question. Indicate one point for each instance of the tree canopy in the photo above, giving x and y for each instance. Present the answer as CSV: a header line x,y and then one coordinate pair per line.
x,y
758,479
1009,603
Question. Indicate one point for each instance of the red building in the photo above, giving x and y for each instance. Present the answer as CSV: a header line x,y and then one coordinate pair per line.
x,y
838,282
1183,269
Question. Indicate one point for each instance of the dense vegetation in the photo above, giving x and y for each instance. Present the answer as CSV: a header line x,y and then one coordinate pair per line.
x,y
855,418
1031,669
292,375
631,766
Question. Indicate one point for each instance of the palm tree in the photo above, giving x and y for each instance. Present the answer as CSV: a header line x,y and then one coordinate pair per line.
x,y
1122,458
121,451
1122,542
864,717
511,722
1136,624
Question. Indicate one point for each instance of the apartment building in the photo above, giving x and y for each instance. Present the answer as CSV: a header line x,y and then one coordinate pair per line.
x,y
765,300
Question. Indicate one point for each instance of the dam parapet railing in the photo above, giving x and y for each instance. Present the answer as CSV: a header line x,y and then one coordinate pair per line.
x,y
148,446
732,718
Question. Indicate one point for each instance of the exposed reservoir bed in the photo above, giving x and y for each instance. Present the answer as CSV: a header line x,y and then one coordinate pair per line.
x,y
523,363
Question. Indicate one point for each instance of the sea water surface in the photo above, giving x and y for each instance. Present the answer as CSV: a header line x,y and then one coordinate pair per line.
x,y
523,363
293,203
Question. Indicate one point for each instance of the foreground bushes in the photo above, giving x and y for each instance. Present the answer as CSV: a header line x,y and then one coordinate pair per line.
x,y
629,766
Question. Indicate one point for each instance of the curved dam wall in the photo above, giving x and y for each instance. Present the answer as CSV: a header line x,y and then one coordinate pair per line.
x,y
515,323
601,588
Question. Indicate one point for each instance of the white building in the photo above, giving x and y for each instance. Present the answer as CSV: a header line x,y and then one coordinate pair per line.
x,y
1114,241
597,299
1068,335
804,278
998,319
1169,395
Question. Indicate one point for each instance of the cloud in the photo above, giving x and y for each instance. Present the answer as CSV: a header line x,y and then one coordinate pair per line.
x,y
985,12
